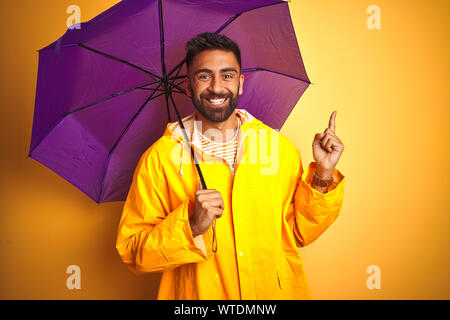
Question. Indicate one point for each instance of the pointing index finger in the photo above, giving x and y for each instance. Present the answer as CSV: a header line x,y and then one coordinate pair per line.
x,y
331,124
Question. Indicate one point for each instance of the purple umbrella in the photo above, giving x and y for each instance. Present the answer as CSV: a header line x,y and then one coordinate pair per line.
x,y
105,91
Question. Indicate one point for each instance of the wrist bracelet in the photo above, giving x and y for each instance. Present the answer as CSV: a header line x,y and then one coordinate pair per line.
x,y
319,181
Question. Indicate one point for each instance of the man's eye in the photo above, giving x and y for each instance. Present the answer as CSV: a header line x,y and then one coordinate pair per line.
x,y
203,76
228,76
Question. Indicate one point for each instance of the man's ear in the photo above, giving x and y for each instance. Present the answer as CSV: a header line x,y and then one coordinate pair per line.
x,y
188,88
241,86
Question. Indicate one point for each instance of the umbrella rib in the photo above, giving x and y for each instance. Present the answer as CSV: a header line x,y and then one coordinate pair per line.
x,y
238,14
148,84
178,66
280,73
155,77
177,86
151,97
161,38
110,97
84,107
161,90
229,21
163,64
179,69
176,75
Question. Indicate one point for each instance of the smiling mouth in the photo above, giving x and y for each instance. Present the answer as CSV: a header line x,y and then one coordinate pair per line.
x,y
217,101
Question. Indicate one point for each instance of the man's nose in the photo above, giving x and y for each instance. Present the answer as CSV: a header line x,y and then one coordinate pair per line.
x,y
216,85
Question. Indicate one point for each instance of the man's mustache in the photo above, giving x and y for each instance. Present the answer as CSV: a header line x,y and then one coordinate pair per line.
x,y
215,96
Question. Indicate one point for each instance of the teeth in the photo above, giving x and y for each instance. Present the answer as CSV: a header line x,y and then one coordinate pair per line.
x,y
216,101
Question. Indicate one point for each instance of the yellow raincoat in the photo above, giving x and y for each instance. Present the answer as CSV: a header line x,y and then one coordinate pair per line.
x,y
270,211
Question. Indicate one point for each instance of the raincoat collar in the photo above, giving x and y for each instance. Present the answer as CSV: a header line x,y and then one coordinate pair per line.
x,y
174,129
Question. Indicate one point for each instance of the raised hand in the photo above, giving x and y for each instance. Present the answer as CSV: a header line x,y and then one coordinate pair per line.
x,y
327,149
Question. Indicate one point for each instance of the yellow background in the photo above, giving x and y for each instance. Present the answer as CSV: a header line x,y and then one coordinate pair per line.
x,y
390,88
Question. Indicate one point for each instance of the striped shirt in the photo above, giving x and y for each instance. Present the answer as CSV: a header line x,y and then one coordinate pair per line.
x,y
226,150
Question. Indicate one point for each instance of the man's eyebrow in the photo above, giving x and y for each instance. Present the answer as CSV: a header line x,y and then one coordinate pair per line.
x,y
202,70
229,70
210,71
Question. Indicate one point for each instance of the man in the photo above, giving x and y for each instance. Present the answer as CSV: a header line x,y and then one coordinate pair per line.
x,y
239,238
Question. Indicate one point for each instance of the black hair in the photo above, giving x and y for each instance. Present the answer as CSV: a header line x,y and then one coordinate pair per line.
x,y
210,41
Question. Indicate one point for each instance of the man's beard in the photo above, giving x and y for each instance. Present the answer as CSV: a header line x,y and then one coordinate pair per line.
x,y
216,114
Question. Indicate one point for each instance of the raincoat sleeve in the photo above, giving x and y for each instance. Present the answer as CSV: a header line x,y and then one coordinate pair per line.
x,y
314,211
150,237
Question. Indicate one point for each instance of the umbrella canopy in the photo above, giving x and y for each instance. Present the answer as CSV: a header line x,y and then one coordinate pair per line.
x,y
105,92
